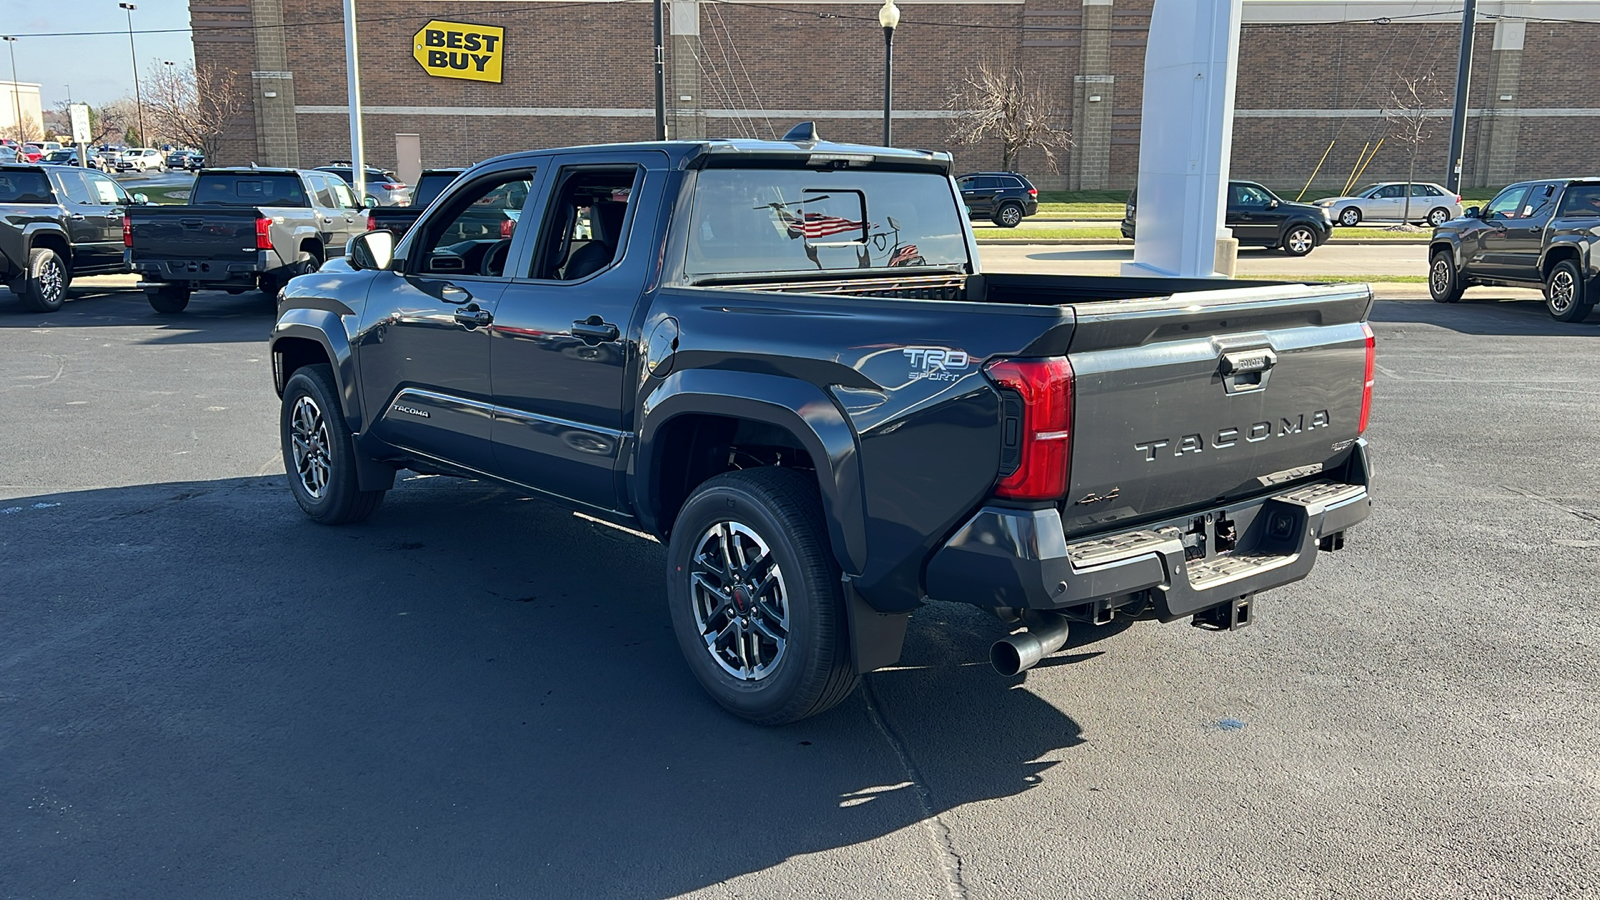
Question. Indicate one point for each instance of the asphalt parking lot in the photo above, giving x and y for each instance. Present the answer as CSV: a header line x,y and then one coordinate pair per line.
x,y
202,694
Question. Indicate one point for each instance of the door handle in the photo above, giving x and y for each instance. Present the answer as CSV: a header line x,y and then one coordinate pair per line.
x,y
593,330
472,316
76,217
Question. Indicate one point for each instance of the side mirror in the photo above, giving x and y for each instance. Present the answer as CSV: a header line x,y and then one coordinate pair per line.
x,y
371,203
372,250
1272,204
141,199
1472,212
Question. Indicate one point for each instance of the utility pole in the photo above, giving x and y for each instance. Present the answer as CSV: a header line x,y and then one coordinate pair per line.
x,y
1458,121
133,54
358,156
661,76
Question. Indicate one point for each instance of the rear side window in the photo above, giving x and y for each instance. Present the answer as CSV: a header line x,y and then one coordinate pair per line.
x,y
1582,200
249,190
791,221
22,186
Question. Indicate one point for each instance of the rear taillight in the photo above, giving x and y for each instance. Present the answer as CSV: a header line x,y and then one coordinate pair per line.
x,y
1038,430
1366,389
372,224
1458,198
507,228
127,232
263,234
392,185
1034,193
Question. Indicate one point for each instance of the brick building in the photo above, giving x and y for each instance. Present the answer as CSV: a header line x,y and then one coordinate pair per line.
x,y
1315,77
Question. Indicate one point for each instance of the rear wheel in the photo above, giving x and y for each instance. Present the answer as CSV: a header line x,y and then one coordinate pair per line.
x,y
319,452
1350,216
755,596
1438,216
44,286
1444,282
1299,240
1009,215
1566,295
169,298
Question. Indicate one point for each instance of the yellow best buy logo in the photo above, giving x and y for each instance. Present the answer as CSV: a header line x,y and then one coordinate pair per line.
x,y
459,50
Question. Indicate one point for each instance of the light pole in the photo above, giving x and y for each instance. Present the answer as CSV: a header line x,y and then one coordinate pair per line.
x,y
888,17
134,56
16,91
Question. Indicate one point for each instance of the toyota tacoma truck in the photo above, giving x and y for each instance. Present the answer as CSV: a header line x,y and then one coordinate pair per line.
x,y
58,223
782,360
1538,234
398,219
242,228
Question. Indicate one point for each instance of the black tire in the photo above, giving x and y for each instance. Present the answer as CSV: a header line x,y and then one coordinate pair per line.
x,y
1566,295
270,285
1444,281
168,298
1349,217
1008,215
44,286
809,671
319,453
1438,216
1299,240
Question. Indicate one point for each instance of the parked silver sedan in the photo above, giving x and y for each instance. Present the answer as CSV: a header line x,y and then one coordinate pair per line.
x,y
1386,202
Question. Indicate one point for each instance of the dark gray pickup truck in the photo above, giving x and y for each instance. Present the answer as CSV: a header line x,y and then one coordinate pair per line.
x,y
242,228
57,223
782,360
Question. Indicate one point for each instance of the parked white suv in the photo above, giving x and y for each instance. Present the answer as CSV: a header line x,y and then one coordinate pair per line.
x,y
141,159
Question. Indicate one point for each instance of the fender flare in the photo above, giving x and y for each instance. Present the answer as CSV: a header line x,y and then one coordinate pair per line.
x,y
325,328
300,235
30,234
798,407
1453,243
1580,247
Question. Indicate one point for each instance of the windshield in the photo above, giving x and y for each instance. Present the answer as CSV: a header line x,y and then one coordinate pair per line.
x,y
757,221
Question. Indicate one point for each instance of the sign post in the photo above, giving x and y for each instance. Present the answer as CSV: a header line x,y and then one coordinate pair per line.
x,y
81,135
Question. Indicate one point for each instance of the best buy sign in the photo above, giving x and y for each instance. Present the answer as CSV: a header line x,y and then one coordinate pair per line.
x,y
458,50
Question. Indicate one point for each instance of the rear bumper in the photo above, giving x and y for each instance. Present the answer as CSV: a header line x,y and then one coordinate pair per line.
x,y
1020,558
204,272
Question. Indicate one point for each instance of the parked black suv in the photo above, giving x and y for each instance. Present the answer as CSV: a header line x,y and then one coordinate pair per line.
x,y
1005,198
1259,218
1532,234
57,223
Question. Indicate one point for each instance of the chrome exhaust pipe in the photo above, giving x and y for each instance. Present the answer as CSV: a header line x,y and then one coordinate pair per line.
x,y
1047,633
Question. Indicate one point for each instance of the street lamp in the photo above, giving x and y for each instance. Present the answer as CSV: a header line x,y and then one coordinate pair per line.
x,y
134,56
888,17
16,91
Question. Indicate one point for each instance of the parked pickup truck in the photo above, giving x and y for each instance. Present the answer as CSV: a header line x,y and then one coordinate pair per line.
x,y
399,219
57,223
242,228
1533,234
781,359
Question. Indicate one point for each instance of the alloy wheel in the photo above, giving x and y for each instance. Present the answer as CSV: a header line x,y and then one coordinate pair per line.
x,y
1349,217
1299,242
1010,216
1439,278
309,437
1562,289
52,281
1438,217
741,604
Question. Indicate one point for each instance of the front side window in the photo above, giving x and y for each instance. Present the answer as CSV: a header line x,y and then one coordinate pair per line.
x,y
760,221
472,234
343,197
106,191
1250,195
1508,205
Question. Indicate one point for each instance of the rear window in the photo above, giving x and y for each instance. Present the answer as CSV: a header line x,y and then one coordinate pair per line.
x,y
22,186
790,221
249,190
429,187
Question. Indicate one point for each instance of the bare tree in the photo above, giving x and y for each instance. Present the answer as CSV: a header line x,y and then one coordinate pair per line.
x,y
996,98
192,106
1409,124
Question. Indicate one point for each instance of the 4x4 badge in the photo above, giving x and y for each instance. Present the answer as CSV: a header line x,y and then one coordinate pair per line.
x,y
1097,498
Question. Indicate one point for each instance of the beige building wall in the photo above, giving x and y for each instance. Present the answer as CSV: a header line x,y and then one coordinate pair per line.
x,y
32,112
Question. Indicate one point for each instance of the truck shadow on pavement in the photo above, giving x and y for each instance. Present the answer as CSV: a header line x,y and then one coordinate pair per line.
x,y
205,695
1486,315
212,316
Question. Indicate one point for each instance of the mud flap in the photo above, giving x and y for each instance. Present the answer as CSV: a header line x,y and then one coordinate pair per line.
x,y
875,637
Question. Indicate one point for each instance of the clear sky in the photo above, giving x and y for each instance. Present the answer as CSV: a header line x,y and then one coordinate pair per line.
x,y
97,66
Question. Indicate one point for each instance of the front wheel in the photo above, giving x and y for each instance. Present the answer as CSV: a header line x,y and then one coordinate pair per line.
x,y
1009,215
319,452
1566,294
755,596
1350,216
1444,282
1299,240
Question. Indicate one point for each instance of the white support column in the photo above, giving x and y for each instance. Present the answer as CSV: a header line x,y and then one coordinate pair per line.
x,y
1186,137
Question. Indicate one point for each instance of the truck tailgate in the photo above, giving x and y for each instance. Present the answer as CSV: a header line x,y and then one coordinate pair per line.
x,y
217,234
1203,398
